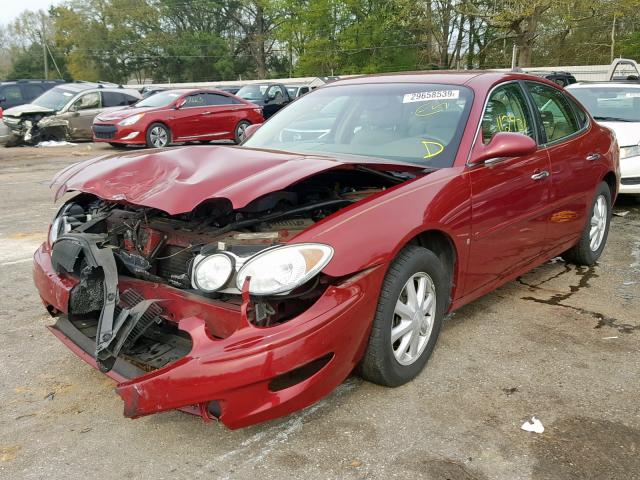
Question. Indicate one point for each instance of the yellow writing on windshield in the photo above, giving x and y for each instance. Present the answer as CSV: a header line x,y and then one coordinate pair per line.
x,y
426,109
433,148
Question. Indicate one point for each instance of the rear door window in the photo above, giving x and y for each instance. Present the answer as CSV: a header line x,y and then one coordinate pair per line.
x,y
558,119
506,111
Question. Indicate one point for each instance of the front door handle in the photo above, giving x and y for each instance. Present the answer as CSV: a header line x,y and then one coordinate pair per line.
x,y
592,157
540,175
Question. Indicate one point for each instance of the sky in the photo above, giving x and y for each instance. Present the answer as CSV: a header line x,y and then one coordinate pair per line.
x,y
10,9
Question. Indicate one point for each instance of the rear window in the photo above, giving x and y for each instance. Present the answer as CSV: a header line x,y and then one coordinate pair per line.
x,y
613,104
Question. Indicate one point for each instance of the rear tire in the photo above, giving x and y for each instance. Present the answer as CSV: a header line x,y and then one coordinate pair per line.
x,y
158,136
394,362
240,131
594,236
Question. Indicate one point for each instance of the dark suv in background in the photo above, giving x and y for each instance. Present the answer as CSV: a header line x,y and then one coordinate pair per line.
x,y
20,92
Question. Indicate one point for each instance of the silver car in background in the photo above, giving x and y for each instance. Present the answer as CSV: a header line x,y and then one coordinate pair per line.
x,y
65,112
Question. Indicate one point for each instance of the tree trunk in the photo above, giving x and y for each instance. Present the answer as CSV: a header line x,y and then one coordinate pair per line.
x,y
527,38
260,54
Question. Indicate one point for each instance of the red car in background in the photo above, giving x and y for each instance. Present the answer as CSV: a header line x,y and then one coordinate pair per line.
x,y
178,116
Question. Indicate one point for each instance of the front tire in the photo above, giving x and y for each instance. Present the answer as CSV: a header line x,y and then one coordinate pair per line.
x,y
240,131
594,236
158,135
408,318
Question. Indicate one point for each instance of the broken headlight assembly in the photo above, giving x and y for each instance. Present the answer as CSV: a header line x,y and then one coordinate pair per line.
x,y
69,216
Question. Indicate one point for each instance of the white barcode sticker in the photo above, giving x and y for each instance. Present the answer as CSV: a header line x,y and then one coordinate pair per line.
x,y
431,95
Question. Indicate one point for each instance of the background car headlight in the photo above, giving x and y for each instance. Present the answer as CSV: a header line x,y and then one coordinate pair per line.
x,y
211,272
633,151
131,120
281,269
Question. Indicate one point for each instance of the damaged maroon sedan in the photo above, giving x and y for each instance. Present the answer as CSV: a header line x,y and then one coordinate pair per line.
x,y
244,283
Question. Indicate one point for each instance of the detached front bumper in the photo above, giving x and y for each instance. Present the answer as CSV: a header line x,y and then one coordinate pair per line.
x,y
251,375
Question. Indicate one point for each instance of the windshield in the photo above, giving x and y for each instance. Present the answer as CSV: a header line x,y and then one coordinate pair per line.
x,y
55,99
160,99
416,123
252,92
612,104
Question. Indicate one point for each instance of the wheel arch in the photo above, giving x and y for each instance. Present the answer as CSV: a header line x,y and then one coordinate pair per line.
x,y
161,122
442,245
612,181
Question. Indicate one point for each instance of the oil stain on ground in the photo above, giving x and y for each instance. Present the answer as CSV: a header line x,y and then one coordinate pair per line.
x,y
439,469
579,448
585,274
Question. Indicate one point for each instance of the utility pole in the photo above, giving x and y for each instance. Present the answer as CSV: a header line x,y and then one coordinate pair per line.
x,y
44,48
613,38
514,57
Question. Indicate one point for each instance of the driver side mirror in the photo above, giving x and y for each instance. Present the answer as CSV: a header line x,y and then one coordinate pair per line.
x,y
251,129
502,145
180,103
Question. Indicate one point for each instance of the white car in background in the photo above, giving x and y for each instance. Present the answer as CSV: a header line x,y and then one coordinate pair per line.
x,y
616,105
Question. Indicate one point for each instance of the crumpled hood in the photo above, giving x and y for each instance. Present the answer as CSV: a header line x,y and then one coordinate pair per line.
x,y
121,114
179,179
627,133
27,108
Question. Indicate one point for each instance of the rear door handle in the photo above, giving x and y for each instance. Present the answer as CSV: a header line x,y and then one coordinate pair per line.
x,y
205,113
540,175
592,157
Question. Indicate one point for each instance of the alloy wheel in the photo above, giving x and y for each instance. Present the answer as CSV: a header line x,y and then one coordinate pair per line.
x,y
413,320
159,137
598,223
241,131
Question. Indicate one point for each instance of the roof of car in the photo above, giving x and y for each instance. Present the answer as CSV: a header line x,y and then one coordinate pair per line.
x,y
78,87
31,81
436,76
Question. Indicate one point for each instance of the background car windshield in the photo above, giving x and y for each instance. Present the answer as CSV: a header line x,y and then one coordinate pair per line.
x,y
604,103
252,92
160,99
55,99
416,123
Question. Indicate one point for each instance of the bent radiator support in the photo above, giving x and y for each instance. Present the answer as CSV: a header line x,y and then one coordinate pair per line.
x,y
122,320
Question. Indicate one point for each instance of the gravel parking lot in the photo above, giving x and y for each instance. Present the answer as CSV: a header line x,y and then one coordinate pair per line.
x,y
561,343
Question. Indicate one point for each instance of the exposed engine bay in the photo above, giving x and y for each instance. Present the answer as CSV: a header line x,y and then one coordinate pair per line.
x,y
96,241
